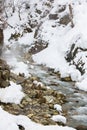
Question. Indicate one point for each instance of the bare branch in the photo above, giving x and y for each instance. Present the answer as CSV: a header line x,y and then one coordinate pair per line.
x,y
71,15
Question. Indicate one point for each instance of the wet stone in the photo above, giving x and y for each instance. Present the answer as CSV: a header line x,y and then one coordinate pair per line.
x,y
65,20
21,127
53,16
4,74
66,79
24,102
38,45
61,8
11,108
17,78
49,99
38,104
27,99
4,83
81,127
42,100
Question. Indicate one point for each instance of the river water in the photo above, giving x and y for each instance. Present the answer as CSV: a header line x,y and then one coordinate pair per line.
x,y
76,104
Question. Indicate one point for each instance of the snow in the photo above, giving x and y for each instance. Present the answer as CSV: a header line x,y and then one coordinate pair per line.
x,y
60,39
26,39
11,122
37,83
13,59
59,118
11,94
18,67
12,21
82,85
58,107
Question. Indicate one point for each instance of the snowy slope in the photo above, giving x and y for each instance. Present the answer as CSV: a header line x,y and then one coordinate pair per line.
x,y
62,38
49,21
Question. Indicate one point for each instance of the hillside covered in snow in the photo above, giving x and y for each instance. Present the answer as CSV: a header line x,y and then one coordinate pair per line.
x,y
53,31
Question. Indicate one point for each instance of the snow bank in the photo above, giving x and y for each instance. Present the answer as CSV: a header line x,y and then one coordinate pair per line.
x,y
11,94
59,118
11,122
16,65
58,107
82,85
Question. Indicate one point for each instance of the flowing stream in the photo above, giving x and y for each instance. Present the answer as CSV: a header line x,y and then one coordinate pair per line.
x,y
76,104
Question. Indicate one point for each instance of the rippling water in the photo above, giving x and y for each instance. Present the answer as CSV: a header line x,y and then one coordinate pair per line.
x,y
76,104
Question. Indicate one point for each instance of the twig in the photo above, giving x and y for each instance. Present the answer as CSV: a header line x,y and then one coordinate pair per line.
x,y
71,15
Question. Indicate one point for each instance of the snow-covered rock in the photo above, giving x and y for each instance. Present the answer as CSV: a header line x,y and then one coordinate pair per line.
x,y
59,118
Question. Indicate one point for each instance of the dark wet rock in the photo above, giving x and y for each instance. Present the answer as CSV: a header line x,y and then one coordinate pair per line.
x,y
27,30
4,84
11,108
15,36
51,70
38,46
25,102
81,127
21,127
61,8
33,78
72,53
65,19
51,1
17,78
4,74
37,29
33,23
38,11
3,65
66,79
42,100
53,16
21,74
